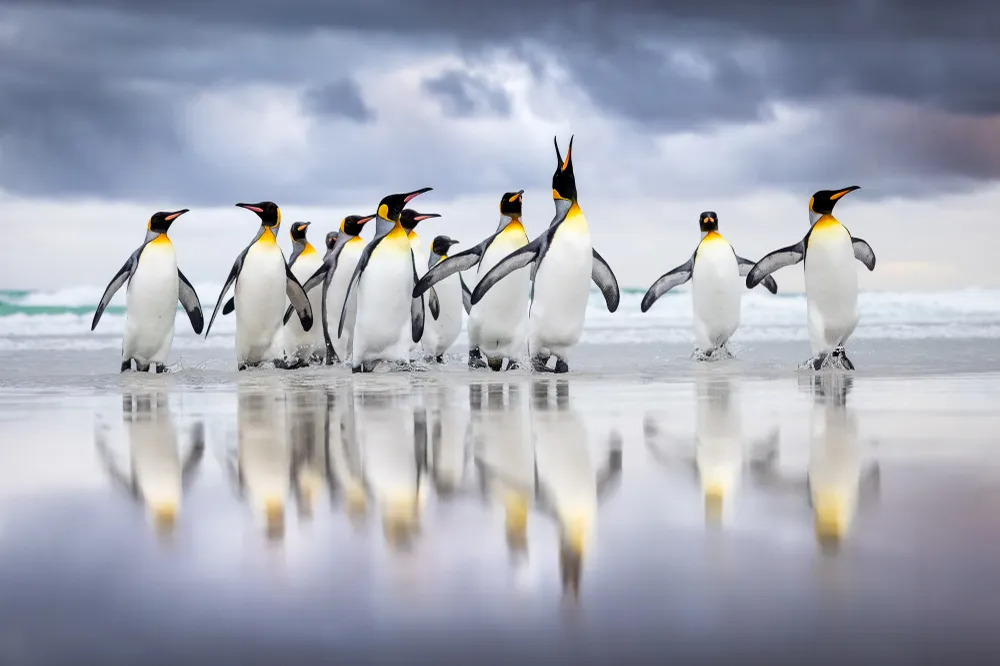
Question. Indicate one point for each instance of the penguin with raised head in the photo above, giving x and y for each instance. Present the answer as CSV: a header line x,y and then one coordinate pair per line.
x,y
829,251
384,279
303,347
563,264
262,281
715,270
498,323
155,284
409,220
441,331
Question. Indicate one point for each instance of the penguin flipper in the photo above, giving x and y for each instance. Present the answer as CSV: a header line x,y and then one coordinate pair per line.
x,y
673,278
745,265
781,258
189,301
234,273
433,304
863,252
190,467
605,280
329,265
455,263
466,295
120,278
297,295
516,260
331,353
358,270
417,307
231,305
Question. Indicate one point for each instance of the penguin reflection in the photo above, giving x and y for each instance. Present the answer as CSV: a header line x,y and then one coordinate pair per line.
x,y
568,486
447,439
307,424
261,467
157,478
344,469
505,458
394,459
718,457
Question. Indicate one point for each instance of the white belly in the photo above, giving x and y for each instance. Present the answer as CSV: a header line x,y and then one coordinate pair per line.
x,y
260,303
156,462
299,343
440,334
386,434
346,264
562,289
835,460
716,294
384,296
831,279
264,453
719,453
151,305
498,322
565,469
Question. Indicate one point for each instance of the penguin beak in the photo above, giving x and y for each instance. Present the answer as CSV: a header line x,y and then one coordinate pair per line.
x,y
413,195
251,207
424,216
174,216
840,193
564,163
368,218
452,242
517,195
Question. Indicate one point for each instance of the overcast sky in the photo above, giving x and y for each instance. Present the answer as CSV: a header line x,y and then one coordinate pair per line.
x,y
111,110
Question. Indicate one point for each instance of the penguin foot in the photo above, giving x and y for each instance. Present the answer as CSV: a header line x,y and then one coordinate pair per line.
x,y
160,368
541,364
496,364
512,364
141,367
476,358
838,359
365,366
127,365
561,366
331,357
439,358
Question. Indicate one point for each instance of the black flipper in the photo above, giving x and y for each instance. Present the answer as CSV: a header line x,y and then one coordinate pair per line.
x,y
863,252
297,295
466,295
231,305
329,265
233,274
120,278
417,307
189,301
786,256
190,468
605,280
331,353
366,255
666,282
516,260
433,304
455,263
746,265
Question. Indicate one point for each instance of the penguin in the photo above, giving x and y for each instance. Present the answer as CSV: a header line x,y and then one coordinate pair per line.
x,y
828,250
563,264
498,323
155,284
408,219
157,478
448,448
344,247
715,270
306,419
344,456
445,304
260,294
303,347
384,279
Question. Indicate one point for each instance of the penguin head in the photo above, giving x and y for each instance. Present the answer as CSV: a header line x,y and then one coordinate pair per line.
x,y
822,202
352,224
331,239
298,232
161,221
408,218
441,244
391,207
563,182
708,221
267,211
510,204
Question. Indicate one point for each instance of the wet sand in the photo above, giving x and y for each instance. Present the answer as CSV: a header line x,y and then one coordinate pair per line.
x,y
417,517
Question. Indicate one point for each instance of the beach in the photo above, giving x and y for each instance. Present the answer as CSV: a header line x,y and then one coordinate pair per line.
x,y
733,510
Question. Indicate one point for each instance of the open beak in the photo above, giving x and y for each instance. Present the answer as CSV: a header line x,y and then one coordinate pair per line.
x,y
569,154
413,195
840,193
251,207
174,216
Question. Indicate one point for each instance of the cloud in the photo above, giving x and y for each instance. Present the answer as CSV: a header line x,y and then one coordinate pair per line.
x,y
340,98
462,94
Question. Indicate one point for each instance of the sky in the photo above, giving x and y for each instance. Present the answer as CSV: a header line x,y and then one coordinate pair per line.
x,y
111,110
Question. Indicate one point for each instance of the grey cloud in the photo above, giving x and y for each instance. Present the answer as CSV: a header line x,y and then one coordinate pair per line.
x,y
339,98
463,94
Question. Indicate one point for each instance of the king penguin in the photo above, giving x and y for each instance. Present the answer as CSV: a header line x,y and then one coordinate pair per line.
x,y
715,269
408,219
262,281
384,279
155,284
829,251
563,264
445,323
303,347
498,323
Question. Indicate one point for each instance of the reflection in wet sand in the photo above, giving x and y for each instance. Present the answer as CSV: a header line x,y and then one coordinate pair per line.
x,y
345,472
156,476
447,439
718,458
306,419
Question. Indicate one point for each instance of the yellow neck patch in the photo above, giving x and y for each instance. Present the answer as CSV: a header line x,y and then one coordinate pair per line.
x,y
268,237
397,231
712,237
356,239
308,249
161,239
514,227
826,221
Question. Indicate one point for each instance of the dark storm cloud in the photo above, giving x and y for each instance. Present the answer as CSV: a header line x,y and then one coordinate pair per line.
x,y
85,96
463,94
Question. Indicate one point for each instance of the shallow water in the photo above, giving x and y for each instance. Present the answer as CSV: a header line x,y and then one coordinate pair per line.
x,y
857,516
